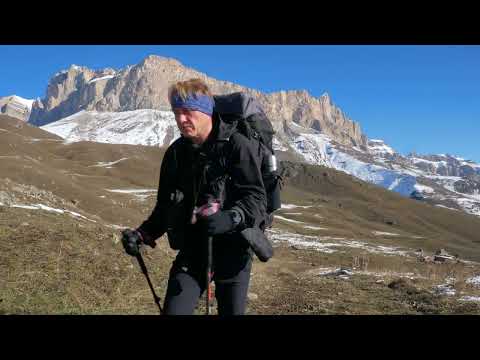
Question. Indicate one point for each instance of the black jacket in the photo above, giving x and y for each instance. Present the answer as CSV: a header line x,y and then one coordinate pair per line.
x,y
226,166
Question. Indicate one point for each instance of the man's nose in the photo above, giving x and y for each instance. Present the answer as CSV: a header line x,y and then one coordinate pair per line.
x,y
181,118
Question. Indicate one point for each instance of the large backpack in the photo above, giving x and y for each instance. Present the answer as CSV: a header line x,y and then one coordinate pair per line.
x,y
250,119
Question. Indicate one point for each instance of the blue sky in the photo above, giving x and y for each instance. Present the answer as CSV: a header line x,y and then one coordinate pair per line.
x,y
417,98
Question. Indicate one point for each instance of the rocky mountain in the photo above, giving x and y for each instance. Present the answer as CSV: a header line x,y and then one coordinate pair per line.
x,y
16,107
145,85
129,106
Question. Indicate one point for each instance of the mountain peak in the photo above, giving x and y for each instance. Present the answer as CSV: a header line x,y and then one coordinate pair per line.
x,y
379,147
156,59
326,99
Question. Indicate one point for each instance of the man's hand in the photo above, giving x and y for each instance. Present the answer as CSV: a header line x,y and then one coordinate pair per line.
x,y
131,240
219,223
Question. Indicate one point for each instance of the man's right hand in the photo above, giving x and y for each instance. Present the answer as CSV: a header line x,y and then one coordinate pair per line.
x,y
131,240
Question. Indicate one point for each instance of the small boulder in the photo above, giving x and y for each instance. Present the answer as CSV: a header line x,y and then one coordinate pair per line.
x,y
442,252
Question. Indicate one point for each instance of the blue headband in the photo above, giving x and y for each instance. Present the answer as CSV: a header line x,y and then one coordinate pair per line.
x,y
203,103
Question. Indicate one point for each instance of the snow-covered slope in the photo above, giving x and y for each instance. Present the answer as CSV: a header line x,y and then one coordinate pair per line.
x,y
382,166
139,127
25,102
16,106
319,150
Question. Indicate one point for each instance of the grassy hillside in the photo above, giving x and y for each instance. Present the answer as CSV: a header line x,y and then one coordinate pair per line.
x,y
64,257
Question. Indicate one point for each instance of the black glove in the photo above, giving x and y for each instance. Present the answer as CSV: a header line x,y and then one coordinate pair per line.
x,y
220,222
131,240
259,243
146,239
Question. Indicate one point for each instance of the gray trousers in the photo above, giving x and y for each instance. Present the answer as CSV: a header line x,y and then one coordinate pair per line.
x,y
186,285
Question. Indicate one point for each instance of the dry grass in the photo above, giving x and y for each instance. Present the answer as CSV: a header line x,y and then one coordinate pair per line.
x,y
56,264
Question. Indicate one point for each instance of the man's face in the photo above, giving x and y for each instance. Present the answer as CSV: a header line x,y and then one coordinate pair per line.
x,y
193,124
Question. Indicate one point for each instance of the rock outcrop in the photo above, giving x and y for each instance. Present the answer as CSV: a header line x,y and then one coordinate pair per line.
x,y
445,165
468,185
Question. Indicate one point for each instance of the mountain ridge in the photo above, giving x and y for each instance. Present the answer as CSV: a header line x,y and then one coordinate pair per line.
x,y
145,85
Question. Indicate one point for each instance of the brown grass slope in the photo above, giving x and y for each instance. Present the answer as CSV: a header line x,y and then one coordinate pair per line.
x,y
57,263
358,208
70,171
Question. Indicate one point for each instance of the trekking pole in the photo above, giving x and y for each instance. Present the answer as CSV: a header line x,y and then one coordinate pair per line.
x,y
145,272
210,208
209,275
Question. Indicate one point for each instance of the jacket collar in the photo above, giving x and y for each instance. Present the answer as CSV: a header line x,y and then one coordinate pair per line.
x,y
221,131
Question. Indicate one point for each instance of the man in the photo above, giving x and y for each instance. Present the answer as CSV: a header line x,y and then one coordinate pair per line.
x,y
210,162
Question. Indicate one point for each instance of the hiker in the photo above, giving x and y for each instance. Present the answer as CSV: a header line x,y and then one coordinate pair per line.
x,y
212,163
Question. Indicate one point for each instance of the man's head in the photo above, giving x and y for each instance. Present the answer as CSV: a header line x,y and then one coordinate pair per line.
x,y
192,103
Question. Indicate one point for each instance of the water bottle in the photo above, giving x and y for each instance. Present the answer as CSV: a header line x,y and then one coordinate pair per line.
x,y
272,163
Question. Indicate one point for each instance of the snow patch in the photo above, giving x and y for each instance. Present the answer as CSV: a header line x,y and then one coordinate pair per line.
x,y
101,78
379,233
435,164
446,207
116,227
409,275
315,227
107,164
50,209
329,244
474,280
356,148
293,206
289,220
25,207
131,191
469,205
423,188
470,298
